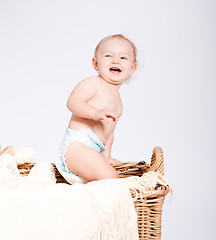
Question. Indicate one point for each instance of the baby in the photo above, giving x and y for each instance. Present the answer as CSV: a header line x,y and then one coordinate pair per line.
x,y
96,106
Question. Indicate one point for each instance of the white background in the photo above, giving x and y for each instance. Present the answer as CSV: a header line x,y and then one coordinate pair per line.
x,y
46,49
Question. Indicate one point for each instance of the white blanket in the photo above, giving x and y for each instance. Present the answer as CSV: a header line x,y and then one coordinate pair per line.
x,y
97,210
100,210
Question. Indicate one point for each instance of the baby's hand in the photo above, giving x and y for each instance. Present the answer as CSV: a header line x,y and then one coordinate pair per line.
x,y
104,114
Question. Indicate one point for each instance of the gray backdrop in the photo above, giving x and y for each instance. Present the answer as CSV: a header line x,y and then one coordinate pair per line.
x,y
46,49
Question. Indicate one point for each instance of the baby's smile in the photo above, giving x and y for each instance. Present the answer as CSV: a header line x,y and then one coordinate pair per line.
x,y
115,70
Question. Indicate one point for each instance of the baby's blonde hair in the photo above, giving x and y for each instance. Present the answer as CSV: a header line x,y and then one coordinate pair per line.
x,y
118,36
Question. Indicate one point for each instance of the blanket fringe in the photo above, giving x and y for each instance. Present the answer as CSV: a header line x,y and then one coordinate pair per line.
x,y
144,186
121,224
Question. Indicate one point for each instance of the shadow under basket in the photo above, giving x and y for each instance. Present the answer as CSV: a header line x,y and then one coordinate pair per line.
x,y
149,209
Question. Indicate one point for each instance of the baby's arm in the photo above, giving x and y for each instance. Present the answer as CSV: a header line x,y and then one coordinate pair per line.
x,y
78,102
107,152
81,94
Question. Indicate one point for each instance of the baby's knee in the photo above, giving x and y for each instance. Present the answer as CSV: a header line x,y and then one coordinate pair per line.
x,y
115,175
111,174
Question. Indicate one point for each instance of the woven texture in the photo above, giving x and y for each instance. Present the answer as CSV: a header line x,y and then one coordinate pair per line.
x,y
149,209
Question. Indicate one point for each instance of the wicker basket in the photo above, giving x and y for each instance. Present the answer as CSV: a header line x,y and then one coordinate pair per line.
x,y
149,209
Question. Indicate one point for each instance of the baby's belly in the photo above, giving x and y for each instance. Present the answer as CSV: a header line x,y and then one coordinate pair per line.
x,y
102,129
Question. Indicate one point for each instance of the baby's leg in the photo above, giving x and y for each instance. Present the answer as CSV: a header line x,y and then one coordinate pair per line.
x,y
88,163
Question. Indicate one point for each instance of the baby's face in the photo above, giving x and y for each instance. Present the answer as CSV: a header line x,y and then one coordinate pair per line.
x,y
114,60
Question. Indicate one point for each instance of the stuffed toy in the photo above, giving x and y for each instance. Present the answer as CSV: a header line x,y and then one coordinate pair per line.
x,y
8,167
42,172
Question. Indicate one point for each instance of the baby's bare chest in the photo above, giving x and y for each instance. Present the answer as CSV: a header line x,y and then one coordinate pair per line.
x,y
108,99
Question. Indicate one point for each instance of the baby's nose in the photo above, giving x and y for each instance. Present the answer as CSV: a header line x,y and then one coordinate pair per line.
x,y
115,60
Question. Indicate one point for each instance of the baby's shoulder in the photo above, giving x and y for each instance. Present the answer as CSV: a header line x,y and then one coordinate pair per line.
x,y
93,80
89,83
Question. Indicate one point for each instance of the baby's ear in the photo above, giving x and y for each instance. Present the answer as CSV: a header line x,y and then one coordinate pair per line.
x,y
133,69
94,63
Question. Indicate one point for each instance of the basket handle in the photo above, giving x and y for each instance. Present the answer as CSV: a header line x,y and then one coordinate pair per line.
x,y
157,161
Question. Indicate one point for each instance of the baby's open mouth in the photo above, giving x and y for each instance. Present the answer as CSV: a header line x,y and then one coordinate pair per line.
x,y
115,70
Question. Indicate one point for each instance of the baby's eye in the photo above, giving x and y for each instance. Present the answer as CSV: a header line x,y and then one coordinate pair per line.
x,y
107,55
124,58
